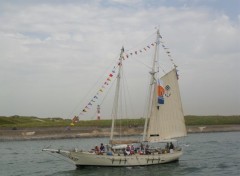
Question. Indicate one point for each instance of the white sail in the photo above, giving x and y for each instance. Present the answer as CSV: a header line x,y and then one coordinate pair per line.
x,y
167,120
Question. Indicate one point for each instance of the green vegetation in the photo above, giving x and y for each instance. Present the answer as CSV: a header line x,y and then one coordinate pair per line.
x,y
212,120
21,121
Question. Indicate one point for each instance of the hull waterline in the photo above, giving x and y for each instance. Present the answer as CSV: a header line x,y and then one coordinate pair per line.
x,y
82,159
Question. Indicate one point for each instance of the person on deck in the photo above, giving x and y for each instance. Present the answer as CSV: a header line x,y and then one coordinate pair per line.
x,y
171,146
97,151
127,150
167,146
132,151
102,148
141,149
147,152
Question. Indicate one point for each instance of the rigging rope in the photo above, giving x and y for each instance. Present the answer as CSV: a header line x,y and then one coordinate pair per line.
x,y
104,97
90,90
126,56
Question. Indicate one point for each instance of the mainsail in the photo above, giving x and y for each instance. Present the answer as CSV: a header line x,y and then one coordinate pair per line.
x,y
166,120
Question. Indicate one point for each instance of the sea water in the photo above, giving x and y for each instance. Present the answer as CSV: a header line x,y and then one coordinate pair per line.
x,y
204,154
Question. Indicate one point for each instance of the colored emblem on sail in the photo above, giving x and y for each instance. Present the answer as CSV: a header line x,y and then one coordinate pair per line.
x,y
167,91
160,92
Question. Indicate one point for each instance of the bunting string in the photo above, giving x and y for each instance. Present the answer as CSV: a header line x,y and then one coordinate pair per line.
x,y
166,49
111,75
106,83
138,51
147,48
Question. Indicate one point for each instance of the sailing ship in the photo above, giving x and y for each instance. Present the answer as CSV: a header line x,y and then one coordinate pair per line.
x,y
164,123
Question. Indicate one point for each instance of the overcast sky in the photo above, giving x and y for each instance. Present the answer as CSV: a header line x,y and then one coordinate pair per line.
x,y
53,51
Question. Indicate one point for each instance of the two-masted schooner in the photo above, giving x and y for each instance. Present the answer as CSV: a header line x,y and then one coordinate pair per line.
x,y
164,123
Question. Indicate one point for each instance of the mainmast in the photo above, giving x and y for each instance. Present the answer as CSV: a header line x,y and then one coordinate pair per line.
x,y
115,104
152,85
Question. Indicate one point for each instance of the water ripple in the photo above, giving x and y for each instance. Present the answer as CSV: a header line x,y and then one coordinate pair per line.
x,y
204,154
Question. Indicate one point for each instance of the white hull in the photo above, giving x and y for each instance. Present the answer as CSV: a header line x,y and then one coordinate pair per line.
x,y
92,159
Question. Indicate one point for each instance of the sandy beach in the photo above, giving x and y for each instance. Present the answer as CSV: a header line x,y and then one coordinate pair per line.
x,y
7,134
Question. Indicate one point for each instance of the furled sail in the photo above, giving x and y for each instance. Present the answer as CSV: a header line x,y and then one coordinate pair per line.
x,y
166,120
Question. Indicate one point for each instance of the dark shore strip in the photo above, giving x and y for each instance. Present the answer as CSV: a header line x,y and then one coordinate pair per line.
x,y
51,133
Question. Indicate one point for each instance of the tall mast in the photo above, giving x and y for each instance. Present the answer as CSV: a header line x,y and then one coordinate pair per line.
x,y
115,103
152,85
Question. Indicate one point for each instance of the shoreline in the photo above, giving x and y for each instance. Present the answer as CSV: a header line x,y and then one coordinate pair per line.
x,y
51,133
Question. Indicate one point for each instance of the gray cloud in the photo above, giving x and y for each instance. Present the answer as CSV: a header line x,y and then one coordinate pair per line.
x,y
51,54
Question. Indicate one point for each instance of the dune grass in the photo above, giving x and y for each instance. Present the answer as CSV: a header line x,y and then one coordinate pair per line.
x,y
33,122
212,120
